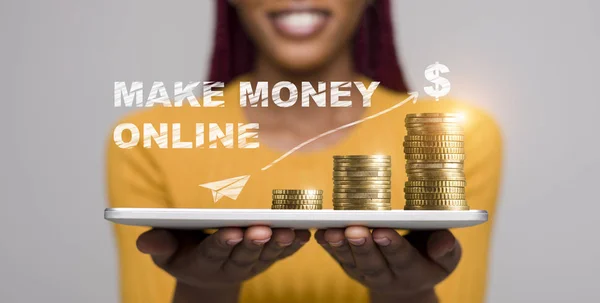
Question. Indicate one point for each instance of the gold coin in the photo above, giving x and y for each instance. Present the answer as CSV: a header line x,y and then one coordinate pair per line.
x,y
362,168
362,190
437,174
418,132
427,207
434,132
434,115
361,200
450,171
297,197
434,120
370,186
413,161
362,208
362,164
410,126
435,157
439,189
436,178
436,183
433,150
363,157
293,206
362,205
436,138
297,192
433,165
434,196
445,144
409,120
438,171
338,166
361,195
452,126
459,202
360,179
361,183
297,201
362,173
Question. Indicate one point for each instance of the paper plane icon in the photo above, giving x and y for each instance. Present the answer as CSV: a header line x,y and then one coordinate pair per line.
x,y
230,188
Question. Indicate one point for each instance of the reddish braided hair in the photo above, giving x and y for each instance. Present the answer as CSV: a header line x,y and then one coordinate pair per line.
x,y
374,49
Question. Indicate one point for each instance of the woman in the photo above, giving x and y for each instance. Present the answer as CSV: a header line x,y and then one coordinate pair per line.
x,y
269,40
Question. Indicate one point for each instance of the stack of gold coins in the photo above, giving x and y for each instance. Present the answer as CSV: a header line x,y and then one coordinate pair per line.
x,y
362,182
434,151
297,199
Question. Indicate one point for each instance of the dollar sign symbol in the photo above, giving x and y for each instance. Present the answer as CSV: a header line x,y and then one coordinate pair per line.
x,y
442,85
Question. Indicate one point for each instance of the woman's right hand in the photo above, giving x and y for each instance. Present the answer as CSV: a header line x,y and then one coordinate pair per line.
x,y
222,260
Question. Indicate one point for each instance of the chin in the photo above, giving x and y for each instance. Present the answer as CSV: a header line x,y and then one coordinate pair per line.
x,y
302,65
301,60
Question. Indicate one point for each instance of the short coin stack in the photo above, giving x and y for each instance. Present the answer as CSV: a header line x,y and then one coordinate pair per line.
x,y
434,151
362,182
297,199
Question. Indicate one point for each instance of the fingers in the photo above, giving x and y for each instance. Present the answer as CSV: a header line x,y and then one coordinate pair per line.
x,y
320,237
215,250
356,252
419,270
177,251
444,249
160,244
413,272
245,255
301,237
284,243
209,254
280,240
340,248
334,242
229,249
369,261
440,246
397,251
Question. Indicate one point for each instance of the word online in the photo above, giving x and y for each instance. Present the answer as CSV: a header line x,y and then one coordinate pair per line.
x,y
233,135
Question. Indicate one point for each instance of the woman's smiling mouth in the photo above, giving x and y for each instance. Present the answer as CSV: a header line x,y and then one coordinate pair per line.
x,y
299,24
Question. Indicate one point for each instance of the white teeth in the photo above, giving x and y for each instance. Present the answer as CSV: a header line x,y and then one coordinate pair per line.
x,y
301,19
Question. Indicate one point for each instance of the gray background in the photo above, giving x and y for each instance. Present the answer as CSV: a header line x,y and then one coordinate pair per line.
x,y
530,63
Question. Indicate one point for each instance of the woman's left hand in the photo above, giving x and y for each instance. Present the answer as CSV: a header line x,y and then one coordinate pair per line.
x,y
394,267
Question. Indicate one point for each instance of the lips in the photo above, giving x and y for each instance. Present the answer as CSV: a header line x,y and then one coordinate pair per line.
x,y
299,24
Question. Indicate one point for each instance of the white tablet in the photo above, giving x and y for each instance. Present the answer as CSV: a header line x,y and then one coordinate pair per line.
x,y
183,218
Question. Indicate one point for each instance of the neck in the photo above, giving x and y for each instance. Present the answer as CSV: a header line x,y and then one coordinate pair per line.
x,y
341,68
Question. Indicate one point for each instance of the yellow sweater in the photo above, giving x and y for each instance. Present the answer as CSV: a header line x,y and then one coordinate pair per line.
x,y
154,177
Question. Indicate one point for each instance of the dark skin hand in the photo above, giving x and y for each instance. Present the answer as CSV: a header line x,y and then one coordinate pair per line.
x,y
394,268
214,266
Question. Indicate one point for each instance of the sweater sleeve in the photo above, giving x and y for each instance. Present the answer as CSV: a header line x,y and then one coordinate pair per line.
x,y
134,180
483,152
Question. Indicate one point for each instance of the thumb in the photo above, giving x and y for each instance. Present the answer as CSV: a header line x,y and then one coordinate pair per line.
x,y
444,249
160,244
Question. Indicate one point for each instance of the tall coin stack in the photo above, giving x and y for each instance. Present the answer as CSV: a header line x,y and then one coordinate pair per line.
x,y
308,199
362,182
434,151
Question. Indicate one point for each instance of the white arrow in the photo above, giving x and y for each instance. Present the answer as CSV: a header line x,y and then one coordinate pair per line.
x,y
232,187
413,96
